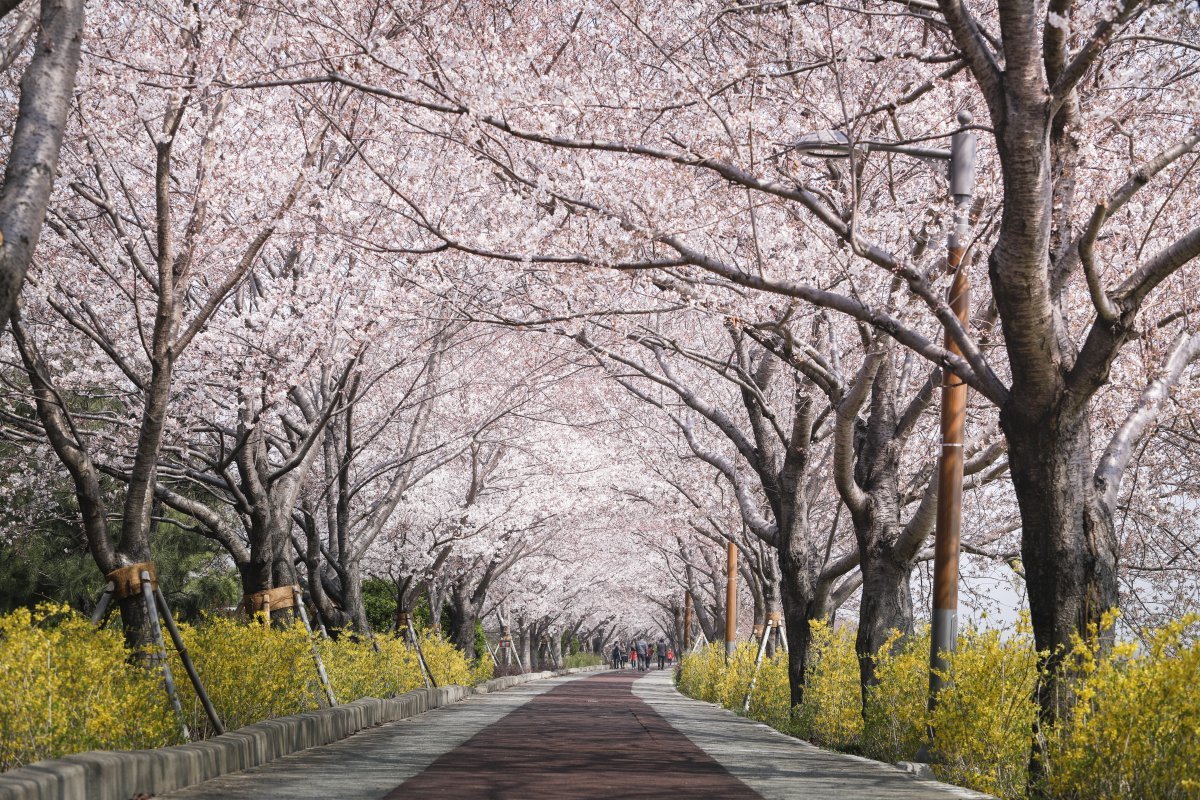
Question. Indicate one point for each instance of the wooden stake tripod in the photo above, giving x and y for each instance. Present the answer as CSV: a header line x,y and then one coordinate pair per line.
x,y
140,579
774,625
282,598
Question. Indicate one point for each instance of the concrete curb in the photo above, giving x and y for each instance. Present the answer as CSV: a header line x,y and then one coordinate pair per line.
x,y
105,775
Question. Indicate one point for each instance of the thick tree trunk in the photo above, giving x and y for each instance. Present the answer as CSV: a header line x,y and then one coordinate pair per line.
x,y
352,598
1069,547
872,497
267,569
886,605
524,635
556,649
462,620
799,605
772,602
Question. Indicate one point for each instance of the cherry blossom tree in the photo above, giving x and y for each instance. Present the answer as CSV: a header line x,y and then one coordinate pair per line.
x,y
628,167
134,281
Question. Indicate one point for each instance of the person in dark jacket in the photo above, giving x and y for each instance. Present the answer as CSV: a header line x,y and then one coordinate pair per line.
x,y
616,656
660,649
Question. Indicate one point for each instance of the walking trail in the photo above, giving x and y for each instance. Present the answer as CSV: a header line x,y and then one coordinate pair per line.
x,y
615,734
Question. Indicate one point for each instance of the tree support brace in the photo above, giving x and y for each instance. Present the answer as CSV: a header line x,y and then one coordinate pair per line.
x,y
774,625
296,600
280,598
430,681
141,579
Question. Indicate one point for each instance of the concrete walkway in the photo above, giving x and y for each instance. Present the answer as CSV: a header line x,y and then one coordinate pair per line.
x,y
778,766
606,735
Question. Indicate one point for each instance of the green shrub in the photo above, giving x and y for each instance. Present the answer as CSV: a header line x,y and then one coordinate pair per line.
x,y
583,660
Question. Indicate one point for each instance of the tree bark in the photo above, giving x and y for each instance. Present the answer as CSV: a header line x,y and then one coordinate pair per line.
x,y
1068,542
46,92
462,615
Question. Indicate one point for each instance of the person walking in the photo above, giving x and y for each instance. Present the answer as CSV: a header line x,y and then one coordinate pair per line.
x,y
616,656
660,649
632,655
671,655
643,655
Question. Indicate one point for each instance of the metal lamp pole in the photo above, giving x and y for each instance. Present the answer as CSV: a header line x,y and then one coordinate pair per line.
x,y
944,637
730,600
835,144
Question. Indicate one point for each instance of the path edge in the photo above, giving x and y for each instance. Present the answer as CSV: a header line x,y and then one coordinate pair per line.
x,y
121,775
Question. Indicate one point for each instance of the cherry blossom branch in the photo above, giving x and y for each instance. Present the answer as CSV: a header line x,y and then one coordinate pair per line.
x,y
915,280
46,88
1074,71
1111,467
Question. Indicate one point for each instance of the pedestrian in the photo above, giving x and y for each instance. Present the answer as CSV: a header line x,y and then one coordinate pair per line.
x,y
633,655
660,649
670,655
643,655
616,656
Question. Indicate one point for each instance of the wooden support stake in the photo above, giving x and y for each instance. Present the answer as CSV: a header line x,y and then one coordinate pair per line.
x,y
101,614
298,603
186,658
430,681
772,625
156,630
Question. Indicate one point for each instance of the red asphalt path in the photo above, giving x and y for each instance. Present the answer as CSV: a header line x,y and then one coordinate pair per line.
x,y
589,738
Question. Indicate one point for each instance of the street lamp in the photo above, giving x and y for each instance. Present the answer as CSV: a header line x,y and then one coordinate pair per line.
x,y
961,155
730,599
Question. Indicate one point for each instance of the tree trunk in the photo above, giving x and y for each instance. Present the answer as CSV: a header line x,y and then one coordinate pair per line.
x,y
799,605
1068,544
556,649
462,620
886,605
524,634
352,598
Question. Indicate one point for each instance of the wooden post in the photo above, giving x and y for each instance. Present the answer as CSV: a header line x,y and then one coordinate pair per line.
x,y
100,615
769,630
186,658
687,619
730,599
430,681
156,629
298,604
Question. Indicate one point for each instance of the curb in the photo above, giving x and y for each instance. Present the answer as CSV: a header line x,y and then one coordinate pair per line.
x,y
110,775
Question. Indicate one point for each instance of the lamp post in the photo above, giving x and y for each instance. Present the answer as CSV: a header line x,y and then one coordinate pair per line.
x,y
944,638
730,599
961,155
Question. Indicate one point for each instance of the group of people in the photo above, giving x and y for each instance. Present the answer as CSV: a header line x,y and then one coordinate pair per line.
x,y
639,654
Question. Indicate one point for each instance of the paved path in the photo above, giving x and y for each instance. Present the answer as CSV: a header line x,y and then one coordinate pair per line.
x,y
574,738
